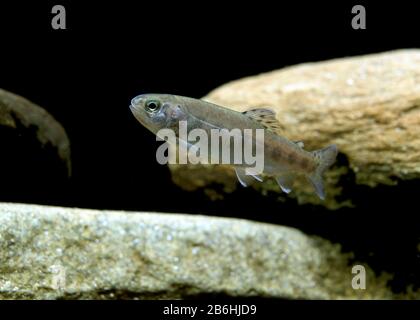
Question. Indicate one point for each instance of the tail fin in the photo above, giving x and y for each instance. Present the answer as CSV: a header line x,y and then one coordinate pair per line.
x,y
326,157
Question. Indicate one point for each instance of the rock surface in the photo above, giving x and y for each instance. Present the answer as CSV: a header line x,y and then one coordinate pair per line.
x,y
17,112
35,152
53,252
368,105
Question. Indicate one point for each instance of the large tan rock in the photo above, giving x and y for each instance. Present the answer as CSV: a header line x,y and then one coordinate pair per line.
x,y
53,252
369,106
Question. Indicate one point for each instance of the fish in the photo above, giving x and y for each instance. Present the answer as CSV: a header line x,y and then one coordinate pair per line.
x,y
283,159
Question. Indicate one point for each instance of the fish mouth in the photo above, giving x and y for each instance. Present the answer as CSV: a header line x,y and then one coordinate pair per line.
x,y
133,109
135,101
136,110
133,104
136,107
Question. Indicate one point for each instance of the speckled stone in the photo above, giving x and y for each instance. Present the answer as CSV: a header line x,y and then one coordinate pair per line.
x,y
53,252
369,106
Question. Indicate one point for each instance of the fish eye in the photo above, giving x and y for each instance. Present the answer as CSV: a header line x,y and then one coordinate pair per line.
x,y
152,105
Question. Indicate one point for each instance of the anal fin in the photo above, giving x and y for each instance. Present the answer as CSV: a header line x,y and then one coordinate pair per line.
x,y
285,181
245,179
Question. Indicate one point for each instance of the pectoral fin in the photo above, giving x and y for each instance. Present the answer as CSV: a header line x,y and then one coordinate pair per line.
x,y
245,179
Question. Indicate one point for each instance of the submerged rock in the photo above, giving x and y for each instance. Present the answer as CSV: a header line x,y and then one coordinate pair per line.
x,y
17,113
368,105
53,252
35,150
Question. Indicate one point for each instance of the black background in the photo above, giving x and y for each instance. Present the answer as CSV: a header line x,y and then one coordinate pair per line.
x,y
85,77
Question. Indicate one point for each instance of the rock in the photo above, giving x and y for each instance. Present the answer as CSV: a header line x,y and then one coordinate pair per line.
x,y
368,105
53,252
34,146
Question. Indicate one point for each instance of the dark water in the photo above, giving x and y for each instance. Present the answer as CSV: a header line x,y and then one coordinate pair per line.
x,y
85,77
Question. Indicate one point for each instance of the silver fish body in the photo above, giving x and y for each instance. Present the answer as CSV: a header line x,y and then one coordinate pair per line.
x,y
282,158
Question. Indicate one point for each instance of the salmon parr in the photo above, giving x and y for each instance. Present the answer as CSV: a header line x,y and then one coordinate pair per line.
x,y
283,159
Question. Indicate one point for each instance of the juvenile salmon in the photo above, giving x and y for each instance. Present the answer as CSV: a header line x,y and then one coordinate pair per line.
x,y
283,159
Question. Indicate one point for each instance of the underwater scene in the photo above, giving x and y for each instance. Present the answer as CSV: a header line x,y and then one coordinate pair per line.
x,y
150,152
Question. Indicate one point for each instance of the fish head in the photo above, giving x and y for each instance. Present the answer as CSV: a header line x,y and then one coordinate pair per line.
x,y
158,111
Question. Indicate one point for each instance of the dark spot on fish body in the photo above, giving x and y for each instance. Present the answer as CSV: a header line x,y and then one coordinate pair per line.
x,y
300,162
304,163
310,164
276,152
316,159
282,154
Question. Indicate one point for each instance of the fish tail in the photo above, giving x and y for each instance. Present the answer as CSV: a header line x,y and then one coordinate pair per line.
x,y
325,158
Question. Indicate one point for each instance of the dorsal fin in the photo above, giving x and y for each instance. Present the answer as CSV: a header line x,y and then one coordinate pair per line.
x,y
266,117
